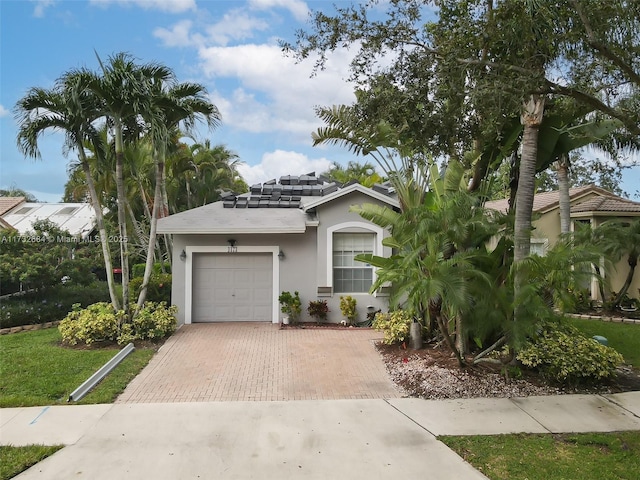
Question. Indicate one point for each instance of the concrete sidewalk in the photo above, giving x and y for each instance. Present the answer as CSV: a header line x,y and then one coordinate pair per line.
x,y
311,439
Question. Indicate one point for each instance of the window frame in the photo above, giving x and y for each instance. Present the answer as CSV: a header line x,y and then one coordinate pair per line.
x,y
349,227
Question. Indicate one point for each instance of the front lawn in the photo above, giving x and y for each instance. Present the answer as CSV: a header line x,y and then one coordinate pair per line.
x,y
36,370
602,456
625,338
14,460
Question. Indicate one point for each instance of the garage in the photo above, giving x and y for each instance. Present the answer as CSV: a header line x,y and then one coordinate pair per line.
x,y
232,287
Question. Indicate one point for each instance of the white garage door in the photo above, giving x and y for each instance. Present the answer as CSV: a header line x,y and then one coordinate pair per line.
x,y
232,287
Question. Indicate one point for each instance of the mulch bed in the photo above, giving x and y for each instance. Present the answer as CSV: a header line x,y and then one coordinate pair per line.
x,y
433,373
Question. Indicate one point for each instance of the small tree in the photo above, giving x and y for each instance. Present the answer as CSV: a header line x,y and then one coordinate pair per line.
x,y
290,305
348,308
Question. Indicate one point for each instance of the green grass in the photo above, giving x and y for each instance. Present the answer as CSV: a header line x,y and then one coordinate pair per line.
x,y
625,338
36,370
601,456
14,460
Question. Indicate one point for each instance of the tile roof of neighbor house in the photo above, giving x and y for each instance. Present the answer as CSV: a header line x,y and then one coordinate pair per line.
x,y
284,207
607,205
77,218
545,201
8,203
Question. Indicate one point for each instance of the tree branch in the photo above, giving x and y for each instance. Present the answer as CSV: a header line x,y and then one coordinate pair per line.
x,y
603,49
630,123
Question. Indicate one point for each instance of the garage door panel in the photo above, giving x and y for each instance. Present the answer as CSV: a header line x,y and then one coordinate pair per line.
x,y
232,287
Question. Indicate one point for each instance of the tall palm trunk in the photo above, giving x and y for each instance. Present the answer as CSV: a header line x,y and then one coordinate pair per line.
x,y
532,114
563,191
152,230
122,220
531,119
165,212
97,208
632,260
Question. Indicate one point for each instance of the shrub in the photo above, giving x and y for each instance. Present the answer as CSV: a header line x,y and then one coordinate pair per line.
x,y
563,355
395,325
318,309
153,322
290,305
137,270
49,304
348,308
96,323
158,290
99,323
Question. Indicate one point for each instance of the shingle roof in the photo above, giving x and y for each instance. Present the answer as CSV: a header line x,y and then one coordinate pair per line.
x,y
8,203
215,218
548,200
285,207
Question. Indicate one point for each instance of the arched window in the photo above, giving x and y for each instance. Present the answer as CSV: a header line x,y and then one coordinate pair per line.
x,y
344,242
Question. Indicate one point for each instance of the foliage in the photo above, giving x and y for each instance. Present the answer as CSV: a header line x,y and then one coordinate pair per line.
x,y
137,270
36,369
365,174
153,321
624,337
395,325
563,355
318,309
49,304
290,305
14,460
620,239
14,191
158,290
605,456
348,308
43,257
99,323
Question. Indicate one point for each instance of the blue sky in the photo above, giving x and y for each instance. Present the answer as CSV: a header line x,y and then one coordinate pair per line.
x,y
231,47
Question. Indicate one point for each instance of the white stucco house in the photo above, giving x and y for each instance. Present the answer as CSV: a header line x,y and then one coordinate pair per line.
x,y
233,258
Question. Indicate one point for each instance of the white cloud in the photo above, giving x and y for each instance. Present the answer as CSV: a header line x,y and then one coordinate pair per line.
x,y
171,6
3,111
280,162
298,8
235,25
41,5
177,36
275,93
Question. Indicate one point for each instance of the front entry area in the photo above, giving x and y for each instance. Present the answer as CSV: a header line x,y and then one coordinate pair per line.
x,y
232,287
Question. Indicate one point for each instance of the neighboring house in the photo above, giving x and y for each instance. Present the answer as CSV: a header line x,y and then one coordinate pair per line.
x,y
589,204
7,204
77,218
233,258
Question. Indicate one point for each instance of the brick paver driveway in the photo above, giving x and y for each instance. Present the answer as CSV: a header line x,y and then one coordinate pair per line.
x,y
258,361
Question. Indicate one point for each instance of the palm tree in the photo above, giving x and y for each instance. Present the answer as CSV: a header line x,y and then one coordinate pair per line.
x,y
69,107
619,239
363,173
171,105
124,89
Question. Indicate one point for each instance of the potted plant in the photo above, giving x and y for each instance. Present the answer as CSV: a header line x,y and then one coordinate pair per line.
x,y
291,306
348,308
318,309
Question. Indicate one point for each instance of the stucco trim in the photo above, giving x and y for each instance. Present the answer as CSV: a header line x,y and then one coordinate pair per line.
x,y
188,279
369,227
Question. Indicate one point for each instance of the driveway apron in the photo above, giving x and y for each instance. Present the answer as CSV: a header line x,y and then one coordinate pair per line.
x,y
260,362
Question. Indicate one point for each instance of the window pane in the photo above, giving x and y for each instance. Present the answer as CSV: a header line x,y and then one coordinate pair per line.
x,y
348,274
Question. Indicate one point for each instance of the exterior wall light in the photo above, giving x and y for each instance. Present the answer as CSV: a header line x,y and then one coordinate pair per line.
x,y
183,255
281,255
